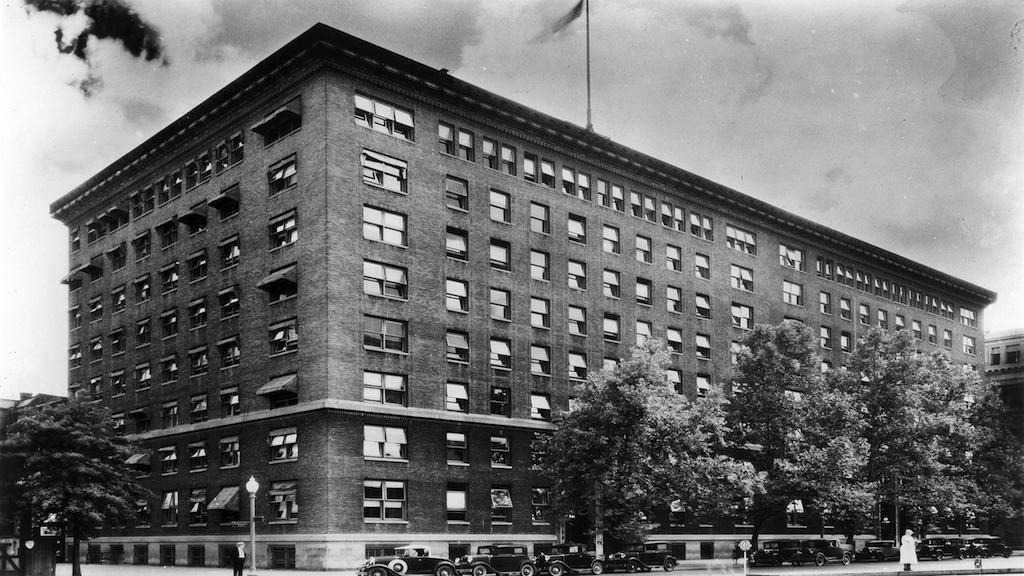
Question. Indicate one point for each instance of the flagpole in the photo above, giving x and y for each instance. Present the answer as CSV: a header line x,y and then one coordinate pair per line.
x,y
590,125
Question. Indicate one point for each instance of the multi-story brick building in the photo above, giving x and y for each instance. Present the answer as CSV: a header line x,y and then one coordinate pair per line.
x,y
370,284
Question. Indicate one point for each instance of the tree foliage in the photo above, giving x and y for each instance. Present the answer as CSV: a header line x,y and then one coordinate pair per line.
x,y
633,444
73,468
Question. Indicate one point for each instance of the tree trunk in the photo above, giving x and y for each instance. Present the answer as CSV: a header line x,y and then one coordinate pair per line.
x,y
598,526
758,523
76,565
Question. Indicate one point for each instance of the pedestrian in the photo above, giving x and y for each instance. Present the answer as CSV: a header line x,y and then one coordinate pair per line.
x,y
238,559
908,550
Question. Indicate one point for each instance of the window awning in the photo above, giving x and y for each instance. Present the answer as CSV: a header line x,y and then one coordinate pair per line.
x,y
115,214
226,499
290,112
500,498
287,384
195,216
139,413
226,199
284,275
138,459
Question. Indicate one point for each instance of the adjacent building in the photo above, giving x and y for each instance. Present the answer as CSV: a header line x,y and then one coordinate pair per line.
x,y
369,285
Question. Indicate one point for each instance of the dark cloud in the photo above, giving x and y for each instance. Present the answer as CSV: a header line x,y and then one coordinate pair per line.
x,y
763,79
142,112
720,21
837,175
107,19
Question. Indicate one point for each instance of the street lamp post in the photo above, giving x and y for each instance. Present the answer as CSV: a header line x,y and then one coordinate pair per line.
x,y
252,486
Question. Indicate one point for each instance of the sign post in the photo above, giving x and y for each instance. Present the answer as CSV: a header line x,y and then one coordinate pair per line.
x,y
744,545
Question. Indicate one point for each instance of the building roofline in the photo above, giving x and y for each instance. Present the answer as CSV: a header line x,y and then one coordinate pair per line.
x,y
439,82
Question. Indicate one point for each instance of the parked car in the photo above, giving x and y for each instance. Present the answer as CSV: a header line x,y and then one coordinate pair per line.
x,y
878,550
938,548
497,559
410,559
569,558
775,552
986,547
819,552
644,556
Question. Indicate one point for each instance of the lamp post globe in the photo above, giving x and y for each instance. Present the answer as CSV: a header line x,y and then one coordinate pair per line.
x,y
252,486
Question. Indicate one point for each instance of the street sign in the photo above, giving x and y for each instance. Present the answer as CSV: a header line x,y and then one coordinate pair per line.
x,y
744,545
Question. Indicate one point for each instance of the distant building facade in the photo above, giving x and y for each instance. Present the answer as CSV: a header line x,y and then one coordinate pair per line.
x,y
371,285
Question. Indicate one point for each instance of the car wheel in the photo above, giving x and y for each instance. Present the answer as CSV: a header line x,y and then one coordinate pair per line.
x,y
936,555
398,566
556,570
479,570
376,572
597,567
1007,553
669,564
962,555
444,570
631,566
847,559
879,556
527,570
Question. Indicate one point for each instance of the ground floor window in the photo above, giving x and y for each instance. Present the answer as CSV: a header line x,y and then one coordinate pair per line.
x,y
140,554
167,554
282,556
197,556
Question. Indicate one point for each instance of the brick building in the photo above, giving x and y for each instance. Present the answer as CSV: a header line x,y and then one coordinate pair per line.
x,y
370,284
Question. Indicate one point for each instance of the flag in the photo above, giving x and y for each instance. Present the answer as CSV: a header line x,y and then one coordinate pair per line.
x,y
560,24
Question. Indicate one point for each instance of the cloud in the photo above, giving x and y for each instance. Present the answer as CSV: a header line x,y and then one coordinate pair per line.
x,y
720,21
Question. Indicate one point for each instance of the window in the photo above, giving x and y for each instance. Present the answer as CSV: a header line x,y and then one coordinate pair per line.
x,y
456,193
282,230
791,257
611,328
650,209
583,186
501,304
826,337
385,280
703,382
932,334
740,240
446,138
229,152
643,249
547,173
618,198
540,313
198,361
539,504
282,176
674,299
610,283
540,360
230,352
455,498
457,347
540,406
199,410
947,338
824,302
142,246
674,338
169,370
75,239
169,278
168,460
610,239
915,327
96,309
742,316
466,145
792,293
577,275
385,335
643,292
508,160
384,442
568,181
118,342
741,278
702,267
883,318
703,346
540,218
500,452
795,513
844,341
701,226
283,501
864,314
142,333
501,255
284,444
229,402
455,447
197,456
383,388
901,322
577,226
845,311
384,500
169,509
577,317
673,258
501,206
118,257
197,314
456,243
501,401
643,332
530,167
636,206
229,303
230,252
383,226
384,117
75,318
456,294
169,323
577,366
198,266
500,354
968,317
456,397
489,151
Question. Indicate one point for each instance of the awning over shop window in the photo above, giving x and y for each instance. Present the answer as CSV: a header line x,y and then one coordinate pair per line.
x,y
287,384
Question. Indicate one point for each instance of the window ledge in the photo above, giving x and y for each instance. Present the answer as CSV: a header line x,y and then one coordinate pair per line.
x,y
379,521
500,523
501,466
284,353
385,351
283,522
229,466
458,523
395,460
461,464
284,461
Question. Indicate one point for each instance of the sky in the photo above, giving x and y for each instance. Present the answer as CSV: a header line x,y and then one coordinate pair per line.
x,y
898,122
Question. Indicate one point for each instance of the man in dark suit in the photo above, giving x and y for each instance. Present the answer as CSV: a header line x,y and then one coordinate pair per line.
x,y
238,559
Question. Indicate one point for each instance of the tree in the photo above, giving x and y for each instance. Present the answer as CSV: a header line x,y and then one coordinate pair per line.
x,y
633,444
783,421
73,469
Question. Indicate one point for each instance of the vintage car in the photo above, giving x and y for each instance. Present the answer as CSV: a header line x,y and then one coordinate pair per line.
x,y
645,556
569,558
878,550
497,559
775,552
410,559
941,547
820,552
986,547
